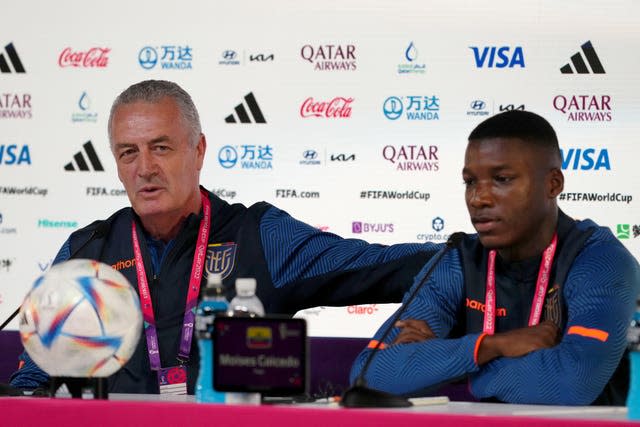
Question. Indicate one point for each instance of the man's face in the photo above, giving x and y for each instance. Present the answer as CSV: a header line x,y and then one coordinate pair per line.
x,y
157,163
507,192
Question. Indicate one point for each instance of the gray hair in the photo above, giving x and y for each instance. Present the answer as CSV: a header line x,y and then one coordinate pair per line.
x,y
152,91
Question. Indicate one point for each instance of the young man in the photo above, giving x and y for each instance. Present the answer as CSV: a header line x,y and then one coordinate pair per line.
x,y
533,308
156,139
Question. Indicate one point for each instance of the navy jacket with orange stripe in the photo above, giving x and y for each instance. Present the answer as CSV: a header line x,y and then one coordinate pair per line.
x,y
591,296
296,266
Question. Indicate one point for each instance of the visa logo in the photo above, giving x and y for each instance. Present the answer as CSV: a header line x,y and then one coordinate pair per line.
x,y
498,57
11,154
585,159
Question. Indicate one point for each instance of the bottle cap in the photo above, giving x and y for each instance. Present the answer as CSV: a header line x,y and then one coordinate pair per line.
x,y
214,280
245,286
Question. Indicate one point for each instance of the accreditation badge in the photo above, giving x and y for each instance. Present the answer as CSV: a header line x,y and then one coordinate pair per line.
x,y
173,380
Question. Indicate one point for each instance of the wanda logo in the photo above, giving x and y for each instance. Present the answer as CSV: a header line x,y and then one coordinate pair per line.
x,y
338,107
96,57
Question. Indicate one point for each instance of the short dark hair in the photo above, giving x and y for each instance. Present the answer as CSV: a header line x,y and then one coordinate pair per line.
x,y
524,125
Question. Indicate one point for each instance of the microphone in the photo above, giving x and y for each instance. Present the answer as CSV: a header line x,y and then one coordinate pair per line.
x,y
361,396
101,230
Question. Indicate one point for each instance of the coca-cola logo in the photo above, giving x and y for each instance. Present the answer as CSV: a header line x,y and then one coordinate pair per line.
x,y
96,57
338,107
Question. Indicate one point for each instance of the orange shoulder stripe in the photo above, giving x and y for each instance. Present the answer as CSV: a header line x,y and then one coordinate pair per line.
x,y
374,343
598,334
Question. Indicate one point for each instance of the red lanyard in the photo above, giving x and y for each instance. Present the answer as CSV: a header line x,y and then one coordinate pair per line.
x,y
192,294
538,299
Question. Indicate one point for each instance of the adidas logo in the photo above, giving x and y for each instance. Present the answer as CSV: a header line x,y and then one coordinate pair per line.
x,y
579,64
243,115
10,51
80,161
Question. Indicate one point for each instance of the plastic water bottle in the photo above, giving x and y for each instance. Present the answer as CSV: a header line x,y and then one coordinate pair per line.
x,y
633,338
245,303
213,302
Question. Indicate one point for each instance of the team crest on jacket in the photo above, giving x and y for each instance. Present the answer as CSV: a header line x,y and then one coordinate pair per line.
x,y
221,258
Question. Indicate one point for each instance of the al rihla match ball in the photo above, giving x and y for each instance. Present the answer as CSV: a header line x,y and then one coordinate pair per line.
x,y
80,319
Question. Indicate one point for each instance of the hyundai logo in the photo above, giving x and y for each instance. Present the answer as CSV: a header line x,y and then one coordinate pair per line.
x,y
392,108
229,55
148,57
310,154
478,105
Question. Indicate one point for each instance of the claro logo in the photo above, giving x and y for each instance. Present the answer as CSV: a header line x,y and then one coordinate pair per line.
x,y
369,309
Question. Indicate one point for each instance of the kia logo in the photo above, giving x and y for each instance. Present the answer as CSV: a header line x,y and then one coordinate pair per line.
x,y
310,154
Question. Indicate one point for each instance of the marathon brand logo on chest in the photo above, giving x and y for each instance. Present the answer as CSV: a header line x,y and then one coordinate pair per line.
x,y
221,258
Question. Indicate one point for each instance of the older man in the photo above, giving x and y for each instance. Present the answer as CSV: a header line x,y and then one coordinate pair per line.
x,y
159,148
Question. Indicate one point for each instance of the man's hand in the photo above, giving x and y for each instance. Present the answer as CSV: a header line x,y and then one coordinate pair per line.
x,y
413,330
518,342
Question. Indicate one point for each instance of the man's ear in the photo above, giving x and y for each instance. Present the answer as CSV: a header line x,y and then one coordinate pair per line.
x,y
201,148
555,183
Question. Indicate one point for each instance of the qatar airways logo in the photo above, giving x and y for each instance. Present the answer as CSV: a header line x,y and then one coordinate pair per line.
x,y
412,157
337,108
96,57
584,108
330,57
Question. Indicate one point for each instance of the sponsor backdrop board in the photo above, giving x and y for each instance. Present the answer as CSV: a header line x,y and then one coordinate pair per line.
x,y
352,116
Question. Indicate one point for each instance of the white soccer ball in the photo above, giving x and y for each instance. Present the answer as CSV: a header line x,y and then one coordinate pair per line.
x,y
80,319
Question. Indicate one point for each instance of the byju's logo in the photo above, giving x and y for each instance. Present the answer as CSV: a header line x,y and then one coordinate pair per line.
x,y
11,53
252,157
338,107
243,116
584,108
96,57
359,227
85,114
413,107
411,66
15,106
310,157
498,56
170,57
14,155
80,161
412,157
579,64
585,159
330,57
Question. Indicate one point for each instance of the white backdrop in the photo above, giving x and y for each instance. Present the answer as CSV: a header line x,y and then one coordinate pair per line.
x,y
433,59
